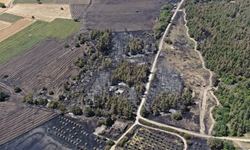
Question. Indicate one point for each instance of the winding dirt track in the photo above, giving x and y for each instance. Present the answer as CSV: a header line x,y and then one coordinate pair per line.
x,y
210,87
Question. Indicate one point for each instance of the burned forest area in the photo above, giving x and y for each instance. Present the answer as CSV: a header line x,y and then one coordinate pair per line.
x,y
93,82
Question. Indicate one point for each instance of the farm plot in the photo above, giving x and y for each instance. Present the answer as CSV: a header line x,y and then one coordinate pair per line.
x,y
75,133
150,139
14,28
45,12
33,1
4,25
77,10
9,17
120,15
46,64
18,119
37,139
85,2
35,33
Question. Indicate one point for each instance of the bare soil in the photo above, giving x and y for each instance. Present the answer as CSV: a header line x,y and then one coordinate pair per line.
x,y
17,119
77,10
48,136
47,64
122,15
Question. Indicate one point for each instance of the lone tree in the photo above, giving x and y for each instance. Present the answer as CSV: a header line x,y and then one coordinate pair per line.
x,y
17,89
2,96
2,5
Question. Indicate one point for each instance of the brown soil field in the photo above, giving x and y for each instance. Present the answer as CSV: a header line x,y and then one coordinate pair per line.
x,y
4,25
77,10
121,15
15,27
45,12
46,64
73,2
17,119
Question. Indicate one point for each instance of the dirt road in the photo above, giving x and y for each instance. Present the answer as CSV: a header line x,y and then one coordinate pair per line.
x,y
209,87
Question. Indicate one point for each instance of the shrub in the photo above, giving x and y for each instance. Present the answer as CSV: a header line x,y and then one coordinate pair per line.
x,y
125,139
42,102
17,89
51,93
53,105
77,44
120,143
66,46
108,121
131,132
189,142
107,147
33,17
168,41
187,136
111,143
2,5
61,8
62,107
88,112
76,110
2,96
177,116
61,97
76,20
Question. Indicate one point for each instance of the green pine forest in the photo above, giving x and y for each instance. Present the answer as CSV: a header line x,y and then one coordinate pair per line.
x,y
222,29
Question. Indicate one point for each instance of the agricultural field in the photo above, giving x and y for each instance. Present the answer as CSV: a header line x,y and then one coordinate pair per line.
x,y
9,18
14,28
34,34
44,12
4,25
147,139
61,132
17,119
33,1
84,2
130,15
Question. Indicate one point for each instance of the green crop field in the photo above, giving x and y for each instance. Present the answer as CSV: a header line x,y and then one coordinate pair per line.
x,y
33,1
35,33
9,17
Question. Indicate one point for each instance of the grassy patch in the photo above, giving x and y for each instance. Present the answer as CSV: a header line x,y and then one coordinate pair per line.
x,y
9,17
35,33
33,1
60,28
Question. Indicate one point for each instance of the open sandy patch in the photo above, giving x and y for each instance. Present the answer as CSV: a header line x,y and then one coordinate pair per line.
x,y
15,27
45,12
4,24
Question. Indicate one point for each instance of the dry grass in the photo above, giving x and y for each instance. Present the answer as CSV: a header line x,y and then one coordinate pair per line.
x,y
4,25
14,28
44,12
